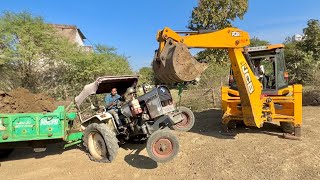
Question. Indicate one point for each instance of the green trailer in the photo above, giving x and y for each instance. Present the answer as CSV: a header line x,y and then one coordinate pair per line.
x,y
37,129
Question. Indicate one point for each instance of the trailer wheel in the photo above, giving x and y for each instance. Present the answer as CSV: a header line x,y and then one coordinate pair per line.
x,y
101,143
162,146
4,153
287,127
188,120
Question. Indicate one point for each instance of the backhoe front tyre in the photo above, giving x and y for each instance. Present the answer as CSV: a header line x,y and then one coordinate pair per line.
x,y
287,127
188,120
100,142
162,146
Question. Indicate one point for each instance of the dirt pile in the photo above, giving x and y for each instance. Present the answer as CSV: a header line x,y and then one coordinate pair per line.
x,y
311,98
23,101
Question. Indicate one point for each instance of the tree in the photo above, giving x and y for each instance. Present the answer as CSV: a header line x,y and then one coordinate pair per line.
x,y
34,56
85,68
299,63
146,75
303,57
311,40
216,15
28,46
255,41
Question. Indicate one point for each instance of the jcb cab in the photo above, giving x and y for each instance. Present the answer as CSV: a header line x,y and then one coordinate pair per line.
x,y
270,60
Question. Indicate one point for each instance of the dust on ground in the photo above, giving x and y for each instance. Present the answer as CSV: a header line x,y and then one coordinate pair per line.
x,y
204,154
23,101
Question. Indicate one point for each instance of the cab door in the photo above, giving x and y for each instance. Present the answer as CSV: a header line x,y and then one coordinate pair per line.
x,y
278,78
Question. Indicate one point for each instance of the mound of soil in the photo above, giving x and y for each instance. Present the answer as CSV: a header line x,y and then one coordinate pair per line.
x,y
311,98
23,101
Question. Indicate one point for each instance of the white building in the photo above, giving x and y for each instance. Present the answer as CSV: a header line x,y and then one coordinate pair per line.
x,y
297,37
73,34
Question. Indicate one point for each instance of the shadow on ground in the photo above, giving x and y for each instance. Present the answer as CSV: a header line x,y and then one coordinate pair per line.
x,y
136,159
208,123
27,153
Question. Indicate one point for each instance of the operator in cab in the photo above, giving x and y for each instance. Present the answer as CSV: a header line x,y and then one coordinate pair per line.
x,y
258,69
111,101
259,72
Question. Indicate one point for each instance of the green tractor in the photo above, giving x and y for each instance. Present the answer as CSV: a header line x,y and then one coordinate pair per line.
x,y
146,118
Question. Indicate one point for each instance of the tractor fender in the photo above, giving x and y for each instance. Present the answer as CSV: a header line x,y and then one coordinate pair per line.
x,y
105,117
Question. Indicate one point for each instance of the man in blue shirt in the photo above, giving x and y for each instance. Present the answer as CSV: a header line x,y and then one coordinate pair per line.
x,y
111,105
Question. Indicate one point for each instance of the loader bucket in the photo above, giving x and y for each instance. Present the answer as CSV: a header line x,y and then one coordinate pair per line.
x,y
175,64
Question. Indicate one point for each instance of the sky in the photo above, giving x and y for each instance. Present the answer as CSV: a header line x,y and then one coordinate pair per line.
x,y
131,26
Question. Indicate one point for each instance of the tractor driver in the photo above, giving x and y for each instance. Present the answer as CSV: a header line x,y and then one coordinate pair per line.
x,y
111,105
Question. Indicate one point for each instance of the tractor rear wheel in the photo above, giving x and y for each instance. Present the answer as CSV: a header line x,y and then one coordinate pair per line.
x,y
162,146
101,143
188,120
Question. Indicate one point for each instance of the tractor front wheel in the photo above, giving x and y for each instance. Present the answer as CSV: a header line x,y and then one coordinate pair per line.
x,y
162,146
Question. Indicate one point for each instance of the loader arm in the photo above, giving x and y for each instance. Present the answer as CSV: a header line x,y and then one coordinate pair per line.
x,y
173,55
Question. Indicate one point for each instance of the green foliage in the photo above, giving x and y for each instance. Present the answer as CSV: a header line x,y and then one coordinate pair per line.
x,y
299,63
255,41
219,56
35,57
213,55
146,76
311,40
102,62
217,14
215,75
28,46
303,58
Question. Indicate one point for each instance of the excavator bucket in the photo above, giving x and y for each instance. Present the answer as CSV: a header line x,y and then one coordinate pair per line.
x,y
175,64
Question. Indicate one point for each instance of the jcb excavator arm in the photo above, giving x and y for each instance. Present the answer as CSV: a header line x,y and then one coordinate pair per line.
x,y
173,63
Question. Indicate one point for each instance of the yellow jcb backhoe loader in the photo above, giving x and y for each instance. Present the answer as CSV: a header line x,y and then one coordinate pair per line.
x,y
254,100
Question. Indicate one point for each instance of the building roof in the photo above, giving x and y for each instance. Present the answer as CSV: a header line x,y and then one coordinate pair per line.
x,y
64,26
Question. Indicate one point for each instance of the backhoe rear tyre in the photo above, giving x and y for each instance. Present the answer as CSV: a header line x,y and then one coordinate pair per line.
x,y
287,127
162,146
4,153
100,142
188,120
